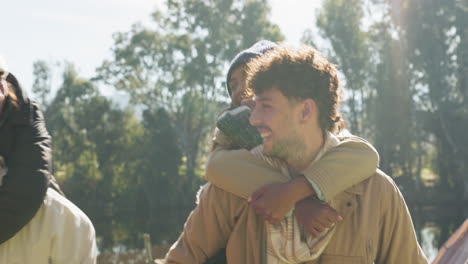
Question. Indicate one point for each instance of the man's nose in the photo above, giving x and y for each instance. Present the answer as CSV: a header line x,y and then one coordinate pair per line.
x,y
254,117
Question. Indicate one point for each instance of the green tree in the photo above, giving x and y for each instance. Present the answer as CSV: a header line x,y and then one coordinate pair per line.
x,y
127,171
378,76
179,63
161,184
413,83
437,48
340,22
94,154
42,81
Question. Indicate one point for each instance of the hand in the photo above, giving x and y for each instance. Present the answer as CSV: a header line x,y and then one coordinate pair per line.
x,y
315,216
272,202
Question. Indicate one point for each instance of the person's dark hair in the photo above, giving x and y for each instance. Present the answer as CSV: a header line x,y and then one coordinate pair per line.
x,y
13,85
300,74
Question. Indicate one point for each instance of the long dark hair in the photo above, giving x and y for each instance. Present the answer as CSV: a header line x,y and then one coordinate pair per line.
x,y
13,85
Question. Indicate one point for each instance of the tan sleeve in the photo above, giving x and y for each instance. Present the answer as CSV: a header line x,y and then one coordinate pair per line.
x,y
398,243
240,172
343,166
208,227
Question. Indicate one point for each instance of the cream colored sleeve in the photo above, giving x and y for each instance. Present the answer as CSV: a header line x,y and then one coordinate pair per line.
x,y
241,172
343,166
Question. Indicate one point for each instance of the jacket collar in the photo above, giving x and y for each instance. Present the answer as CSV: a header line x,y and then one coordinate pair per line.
x,y
357,189
330,142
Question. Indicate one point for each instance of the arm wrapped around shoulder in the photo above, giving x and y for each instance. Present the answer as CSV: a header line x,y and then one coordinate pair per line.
x,y
234,123
350,162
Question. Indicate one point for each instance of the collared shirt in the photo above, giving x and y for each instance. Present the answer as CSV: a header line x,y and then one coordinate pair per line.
x,y
286,242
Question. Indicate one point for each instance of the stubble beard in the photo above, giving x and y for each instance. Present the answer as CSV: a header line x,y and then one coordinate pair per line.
x,y
288,148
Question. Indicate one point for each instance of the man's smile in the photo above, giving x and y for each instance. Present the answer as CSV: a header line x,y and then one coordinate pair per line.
x,y
265,133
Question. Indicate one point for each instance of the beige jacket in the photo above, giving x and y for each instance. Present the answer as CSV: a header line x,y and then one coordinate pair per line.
x,y
287,242
224,220
220,220
377,228
240,172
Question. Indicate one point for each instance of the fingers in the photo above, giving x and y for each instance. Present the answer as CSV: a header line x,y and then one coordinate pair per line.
x,y
257,194
332,215
264,213
267,216
316,217
314,231
329,220
257,204
274,221
260,211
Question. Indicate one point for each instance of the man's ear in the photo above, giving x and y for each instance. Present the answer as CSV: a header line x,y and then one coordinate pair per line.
x,y
309,109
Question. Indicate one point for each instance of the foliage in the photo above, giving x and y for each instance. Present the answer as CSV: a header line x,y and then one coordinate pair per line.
x,y
408,60
135,169
179,63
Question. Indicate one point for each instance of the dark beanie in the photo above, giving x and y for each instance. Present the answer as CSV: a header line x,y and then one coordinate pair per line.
x,y
246,55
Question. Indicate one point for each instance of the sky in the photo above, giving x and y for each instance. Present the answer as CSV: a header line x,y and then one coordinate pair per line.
x,y
81,31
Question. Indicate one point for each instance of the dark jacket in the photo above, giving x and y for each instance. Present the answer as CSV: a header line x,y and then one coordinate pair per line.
x,y
25,145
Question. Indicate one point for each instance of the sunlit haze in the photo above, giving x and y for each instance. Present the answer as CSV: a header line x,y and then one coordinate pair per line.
x,y
81,31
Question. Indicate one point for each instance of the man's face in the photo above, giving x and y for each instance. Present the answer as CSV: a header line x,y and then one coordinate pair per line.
x,y
277,120
238,85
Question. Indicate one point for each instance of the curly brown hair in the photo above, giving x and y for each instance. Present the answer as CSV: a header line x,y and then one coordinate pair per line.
x,y
12,95
300,74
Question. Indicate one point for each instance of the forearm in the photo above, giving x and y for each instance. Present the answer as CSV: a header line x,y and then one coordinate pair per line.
x,y
343,166
299,189
240,172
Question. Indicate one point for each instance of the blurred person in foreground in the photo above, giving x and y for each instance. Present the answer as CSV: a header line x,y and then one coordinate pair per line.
x,y
223,220
37,223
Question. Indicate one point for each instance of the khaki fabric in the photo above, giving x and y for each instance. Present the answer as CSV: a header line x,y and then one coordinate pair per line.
x,y
221,220
287,241
240,172
377,228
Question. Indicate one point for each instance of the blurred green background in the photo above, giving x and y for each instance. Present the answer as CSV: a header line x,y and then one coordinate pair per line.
x,y
134,161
